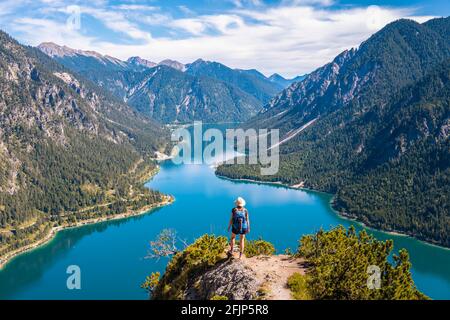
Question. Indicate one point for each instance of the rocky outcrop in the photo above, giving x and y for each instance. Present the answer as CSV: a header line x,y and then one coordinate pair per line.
x,y
203,271
231,278
262,277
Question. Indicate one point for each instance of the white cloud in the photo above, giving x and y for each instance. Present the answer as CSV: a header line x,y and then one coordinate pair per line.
x,y
153,19
8,7
136,7
242,3
292,38
51,31
117,22
325,3
186,10
193,26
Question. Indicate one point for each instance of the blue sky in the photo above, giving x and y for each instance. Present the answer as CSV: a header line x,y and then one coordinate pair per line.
x,y
290,37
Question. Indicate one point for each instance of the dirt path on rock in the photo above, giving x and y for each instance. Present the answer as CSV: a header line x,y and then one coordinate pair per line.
x,y
273,272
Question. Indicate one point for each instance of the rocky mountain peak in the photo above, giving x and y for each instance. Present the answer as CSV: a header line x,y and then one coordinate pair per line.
x,y
53,50
173,64
275,77
141,62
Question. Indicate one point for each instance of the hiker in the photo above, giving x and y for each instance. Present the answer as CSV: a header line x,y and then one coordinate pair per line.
x,y
239,224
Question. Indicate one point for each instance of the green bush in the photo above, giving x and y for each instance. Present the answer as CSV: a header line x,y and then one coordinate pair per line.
x,y
340,262
258,248
298,285
151,282
204,253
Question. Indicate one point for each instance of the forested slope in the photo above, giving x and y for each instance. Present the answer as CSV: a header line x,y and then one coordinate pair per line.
x,y
69,150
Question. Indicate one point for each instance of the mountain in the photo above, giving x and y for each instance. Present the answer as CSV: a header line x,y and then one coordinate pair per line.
x,y
87,60
249,81
298,78
372,127
107,72
396,56
164,92
173,64
283,82
83,60
69,150
169,95
138,61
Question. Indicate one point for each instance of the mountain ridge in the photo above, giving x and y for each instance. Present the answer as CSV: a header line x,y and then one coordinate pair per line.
x,y
283,82
206,95
185,96
250,81
341,81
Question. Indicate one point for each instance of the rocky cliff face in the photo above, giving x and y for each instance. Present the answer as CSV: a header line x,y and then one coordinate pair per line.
x,y
34,97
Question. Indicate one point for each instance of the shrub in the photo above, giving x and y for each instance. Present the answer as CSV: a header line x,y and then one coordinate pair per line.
x,y
258,248
298,285
198,257
151,282
340,262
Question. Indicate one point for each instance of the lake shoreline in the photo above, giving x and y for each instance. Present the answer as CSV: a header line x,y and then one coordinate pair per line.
x,y
54,230
428,242
273,183
342,215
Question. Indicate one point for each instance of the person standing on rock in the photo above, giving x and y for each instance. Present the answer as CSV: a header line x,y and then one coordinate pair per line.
x,y
239,224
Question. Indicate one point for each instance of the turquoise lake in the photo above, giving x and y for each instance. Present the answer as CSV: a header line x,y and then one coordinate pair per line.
x,y
111,254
